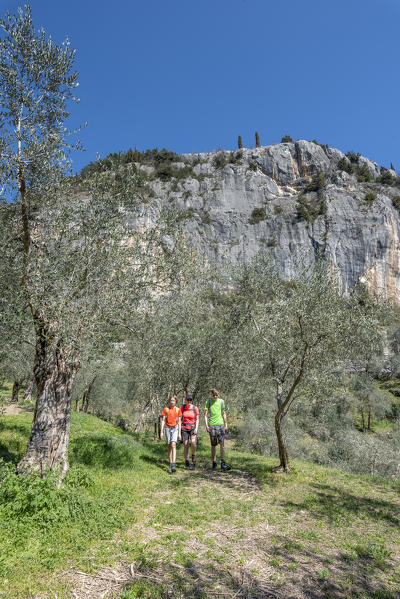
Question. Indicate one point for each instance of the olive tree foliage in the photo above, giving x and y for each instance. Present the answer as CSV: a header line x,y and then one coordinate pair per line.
x,y
70,265
182,344
299,333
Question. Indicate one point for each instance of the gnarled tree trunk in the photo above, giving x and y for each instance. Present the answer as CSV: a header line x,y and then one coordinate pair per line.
x,y
15,391
86,395
48,443
29,390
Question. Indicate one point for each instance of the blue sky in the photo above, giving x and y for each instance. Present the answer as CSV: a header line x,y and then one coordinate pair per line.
x,y
191,75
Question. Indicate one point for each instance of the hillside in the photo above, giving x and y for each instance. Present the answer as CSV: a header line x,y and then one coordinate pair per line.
x,y
121,527
233,204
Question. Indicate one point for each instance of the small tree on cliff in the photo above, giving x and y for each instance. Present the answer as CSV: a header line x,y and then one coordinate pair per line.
x,y
258,145
240,144
298,332
69,247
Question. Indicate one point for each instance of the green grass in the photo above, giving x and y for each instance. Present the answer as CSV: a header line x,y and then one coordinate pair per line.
x,y
314,530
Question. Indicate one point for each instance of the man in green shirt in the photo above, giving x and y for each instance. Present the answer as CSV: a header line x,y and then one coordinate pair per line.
x,y
216,426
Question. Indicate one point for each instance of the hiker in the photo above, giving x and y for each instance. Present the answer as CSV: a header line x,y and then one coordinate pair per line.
x,y
188,427
170,419
216,426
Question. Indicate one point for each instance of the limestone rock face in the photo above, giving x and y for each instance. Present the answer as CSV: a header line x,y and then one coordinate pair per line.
x,y
232,211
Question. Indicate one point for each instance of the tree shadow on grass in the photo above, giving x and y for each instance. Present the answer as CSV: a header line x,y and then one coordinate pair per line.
x,y
334,503
104,451
314,579
8,456
16,428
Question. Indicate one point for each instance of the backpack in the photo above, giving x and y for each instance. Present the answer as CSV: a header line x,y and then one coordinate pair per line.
x,y
220,405
184,408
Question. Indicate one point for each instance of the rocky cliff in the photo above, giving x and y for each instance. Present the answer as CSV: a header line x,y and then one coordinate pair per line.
x,y
291,199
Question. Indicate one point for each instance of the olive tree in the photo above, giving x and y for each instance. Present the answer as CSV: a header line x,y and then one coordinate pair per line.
x,y
299,331
76,265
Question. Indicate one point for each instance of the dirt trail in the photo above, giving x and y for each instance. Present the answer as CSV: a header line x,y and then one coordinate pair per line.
x,y
11,409
109,583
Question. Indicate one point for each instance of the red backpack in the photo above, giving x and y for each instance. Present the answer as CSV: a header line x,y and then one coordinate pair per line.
x,y
184,408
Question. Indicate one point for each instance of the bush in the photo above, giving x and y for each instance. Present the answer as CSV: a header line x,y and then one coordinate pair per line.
x,y
257,215
114,160
235,157
353,157
185,214
38,500
345,165
317,183
386,178
253,166
310,209
364,174
286,139
396,202
369,198
220,160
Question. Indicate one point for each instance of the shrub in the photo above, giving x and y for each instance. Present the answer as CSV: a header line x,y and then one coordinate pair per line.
x,y
353,157
310,208
253,166
220,160
364,174
386,177
278,210
317,183
185,214
257,215
369,198
345,165
114,160
235,158
396,202
286,139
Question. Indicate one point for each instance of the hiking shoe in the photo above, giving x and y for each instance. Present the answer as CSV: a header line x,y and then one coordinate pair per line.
x,y
225,467
170,468
194,464
187,465
214,466
173,468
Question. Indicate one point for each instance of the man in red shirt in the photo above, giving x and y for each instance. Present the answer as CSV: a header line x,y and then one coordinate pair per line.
x,y
170,423
188,427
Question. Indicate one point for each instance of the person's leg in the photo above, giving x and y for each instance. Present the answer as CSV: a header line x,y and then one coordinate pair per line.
x,y
170,457
214,453
222,450
173,453
186,452
193,442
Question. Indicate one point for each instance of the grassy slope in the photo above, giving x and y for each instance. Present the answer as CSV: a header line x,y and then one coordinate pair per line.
x,y
314,533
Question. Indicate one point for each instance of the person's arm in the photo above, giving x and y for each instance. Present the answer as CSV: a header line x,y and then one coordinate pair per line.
x,y
196,426
225,420
179,426
162,426
206,420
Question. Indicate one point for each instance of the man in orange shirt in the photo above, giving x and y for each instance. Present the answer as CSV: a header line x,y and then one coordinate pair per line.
x,y
170,421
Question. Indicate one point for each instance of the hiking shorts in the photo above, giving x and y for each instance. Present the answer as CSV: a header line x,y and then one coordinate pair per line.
x,y
188,433
217,434
171,434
